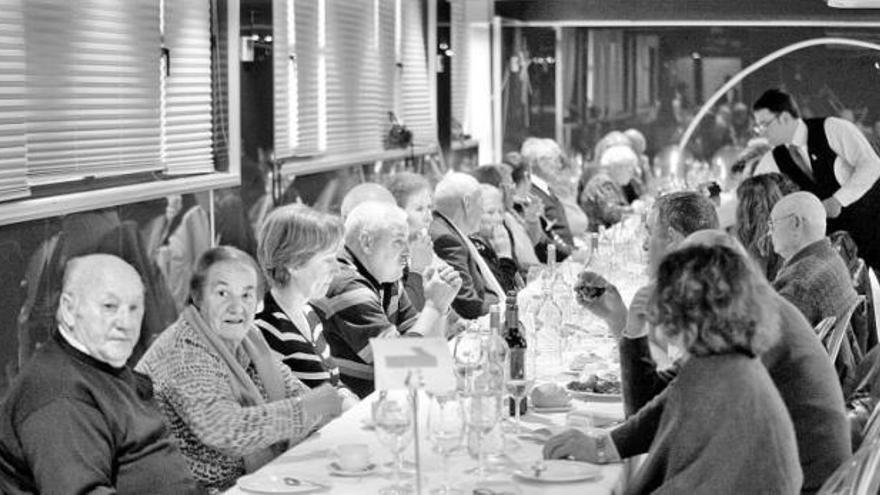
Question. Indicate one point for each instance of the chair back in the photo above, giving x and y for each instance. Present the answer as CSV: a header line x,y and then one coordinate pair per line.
x,y
838,332
860,475
824,327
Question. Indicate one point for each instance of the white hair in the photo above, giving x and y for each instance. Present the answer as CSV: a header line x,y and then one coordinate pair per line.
x,y
452,189
371,218
619,156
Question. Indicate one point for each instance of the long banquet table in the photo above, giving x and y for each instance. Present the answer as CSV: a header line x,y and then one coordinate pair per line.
x,y
310,459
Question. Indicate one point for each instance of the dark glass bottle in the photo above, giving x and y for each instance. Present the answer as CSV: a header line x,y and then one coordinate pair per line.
x,y
516,342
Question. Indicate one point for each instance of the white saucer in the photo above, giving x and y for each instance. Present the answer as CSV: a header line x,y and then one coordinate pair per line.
x,y
561,471
336,470
274,483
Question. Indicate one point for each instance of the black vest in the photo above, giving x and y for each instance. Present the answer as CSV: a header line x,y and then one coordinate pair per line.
x,y
822,158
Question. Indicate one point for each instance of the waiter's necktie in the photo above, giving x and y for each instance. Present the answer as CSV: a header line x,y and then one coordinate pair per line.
x,y
801,162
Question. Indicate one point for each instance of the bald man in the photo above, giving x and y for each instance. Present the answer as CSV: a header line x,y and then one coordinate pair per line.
x,y
361,193
458,205
77,419
813,277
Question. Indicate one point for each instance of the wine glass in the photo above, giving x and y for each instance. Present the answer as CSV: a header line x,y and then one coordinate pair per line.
x,y
446,428
517,390
482,412
393,420
467,353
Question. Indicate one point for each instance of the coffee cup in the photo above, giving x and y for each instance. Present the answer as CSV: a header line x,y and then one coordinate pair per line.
x,y
353,456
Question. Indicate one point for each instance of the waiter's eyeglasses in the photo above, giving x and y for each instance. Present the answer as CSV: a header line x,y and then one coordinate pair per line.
x,y
760,127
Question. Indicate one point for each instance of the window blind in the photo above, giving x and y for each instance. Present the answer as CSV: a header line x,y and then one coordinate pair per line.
x,y
13,168
92,88
460,47
355,94
220,83
186,107
415,87
296,57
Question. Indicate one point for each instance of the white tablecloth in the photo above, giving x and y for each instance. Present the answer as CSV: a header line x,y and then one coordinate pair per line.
x,y
310,459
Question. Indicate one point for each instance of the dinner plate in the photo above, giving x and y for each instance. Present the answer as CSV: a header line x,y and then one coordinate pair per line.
x,y
551,409
594,396
560,471
275,483
337,470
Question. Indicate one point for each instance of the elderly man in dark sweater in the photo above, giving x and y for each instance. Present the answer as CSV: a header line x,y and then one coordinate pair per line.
x,y
814,277
797,364
77,419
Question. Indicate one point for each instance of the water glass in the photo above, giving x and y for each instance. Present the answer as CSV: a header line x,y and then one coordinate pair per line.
x,y
394,427
446,425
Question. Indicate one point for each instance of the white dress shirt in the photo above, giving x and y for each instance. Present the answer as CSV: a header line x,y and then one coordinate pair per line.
x,y
856,167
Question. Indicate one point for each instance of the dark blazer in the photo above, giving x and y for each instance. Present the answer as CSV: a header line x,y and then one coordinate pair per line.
x,y
817,281
473,299
802,372
555,225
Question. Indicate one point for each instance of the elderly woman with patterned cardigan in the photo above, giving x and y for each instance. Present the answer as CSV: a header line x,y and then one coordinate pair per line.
x,y
232,405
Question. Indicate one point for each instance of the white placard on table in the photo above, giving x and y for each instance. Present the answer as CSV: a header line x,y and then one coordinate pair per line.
x,y
396,360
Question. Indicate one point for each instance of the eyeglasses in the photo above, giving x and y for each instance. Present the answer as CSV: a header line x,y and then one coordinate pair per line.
x,y
760,127
771,221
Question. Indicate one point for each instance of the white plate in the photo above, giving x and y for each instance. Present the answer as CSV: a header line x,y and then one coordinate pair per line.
x,y
337,470
552,409
593,396
274,483
561,471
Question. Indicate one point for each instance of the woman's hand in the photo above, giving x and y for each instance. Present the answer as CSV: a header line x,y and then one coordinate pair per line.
x,y
323,403
592,445
421,252
501,242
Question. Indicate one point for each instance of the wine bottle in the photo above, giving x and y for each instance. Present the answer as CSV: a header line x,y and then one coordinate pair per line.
x,y
516,343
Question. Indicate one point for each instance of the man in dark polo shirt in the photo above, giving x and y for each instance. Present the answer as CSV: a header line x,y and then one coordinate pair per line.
x,y
365,301
829,157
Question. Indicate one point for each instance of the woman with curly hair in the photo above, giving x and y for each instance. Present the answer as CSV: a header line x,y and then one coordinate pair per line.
x,y
724,427
756,197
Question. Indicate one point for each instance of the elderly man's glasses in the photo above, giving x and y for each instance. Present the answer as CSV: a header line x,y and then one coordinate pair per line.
x,y
760,127
771,221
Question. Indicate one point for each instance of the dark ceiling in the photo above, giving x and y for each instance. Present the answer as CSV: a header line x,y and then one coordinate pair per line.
x,y
681,10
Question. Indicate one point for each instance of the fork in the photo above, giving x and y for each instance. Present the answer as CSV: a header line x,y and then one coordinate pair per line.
x,y
290,481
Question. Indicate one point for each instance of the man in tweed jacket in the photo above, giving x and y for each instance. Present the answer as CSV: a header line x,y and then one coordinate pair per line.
x,y
814,277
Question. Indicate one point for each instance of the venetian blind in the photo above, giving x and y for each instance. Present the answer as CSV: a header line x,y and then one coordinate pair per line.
x,y
415,88
187,132
92,89
354,86
13,168
297,60
460,47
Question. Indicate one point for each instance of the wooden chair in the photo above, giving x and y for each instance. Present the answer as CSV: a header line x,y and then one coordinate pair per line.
x,y
841,326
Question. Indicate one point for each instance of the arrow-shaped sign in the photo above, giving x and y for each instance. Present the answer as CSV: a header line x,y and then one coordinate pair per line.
x,y
419,359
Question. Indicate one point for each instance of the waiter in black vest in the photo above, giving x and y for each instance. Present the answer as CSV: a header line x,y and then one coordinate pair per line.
x,y
829,157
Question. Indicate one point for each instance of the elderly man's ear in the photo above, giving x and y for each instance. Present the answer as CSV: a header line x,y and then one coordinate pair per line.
x,y
66,309
367,241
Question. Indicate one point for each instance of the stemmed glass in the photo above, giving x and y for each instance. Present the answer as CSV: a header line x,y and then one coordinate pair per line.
x,y
517,390
467,353
446,428
482,412
392,416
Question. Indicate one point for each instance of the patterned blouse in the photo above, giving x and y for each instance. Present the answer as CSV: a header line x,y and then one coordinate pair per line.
x,y
306,353
192,387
